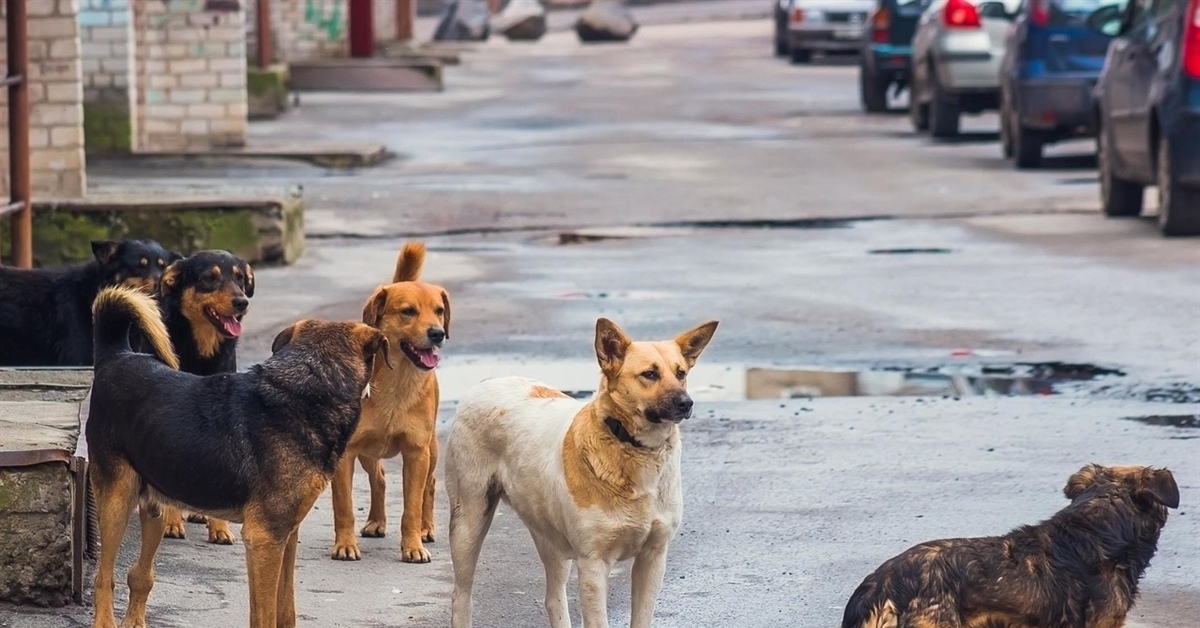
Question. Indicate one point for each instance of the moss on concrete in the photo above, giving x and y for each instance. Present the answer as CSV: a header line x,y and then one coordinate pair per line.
x,y
267,91
106,128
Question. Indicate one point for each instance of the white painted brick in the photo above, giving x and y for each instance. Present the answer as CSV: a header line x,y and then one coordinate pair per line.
x,y
63,92
233,79
206,79
64,49
187,96
194,126
66,137
186,66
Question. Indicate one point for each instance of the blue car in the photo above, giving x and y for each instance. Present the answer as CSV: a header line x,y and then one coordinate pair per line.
x,y
1051,63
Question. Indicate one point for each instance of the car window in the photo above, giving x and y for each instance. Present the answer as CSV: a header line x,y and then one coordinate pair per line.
x,y
1137,17
1074,12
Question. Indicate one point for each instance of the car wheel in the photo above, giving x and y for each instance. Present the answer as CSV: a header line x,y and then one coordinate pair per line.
x,y
1006,143
1118,197
800,55
1178,206
781,48
918,112
943,111
873,90
1027,146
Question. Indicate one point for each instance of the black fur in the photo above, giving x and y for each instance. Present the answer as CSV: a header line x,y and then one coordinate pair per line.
x,y
46,314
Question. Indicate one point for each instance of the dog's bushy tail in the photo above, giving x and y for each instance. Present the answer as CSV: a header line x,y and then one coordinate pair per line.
x,y
868,607
408,265
115,311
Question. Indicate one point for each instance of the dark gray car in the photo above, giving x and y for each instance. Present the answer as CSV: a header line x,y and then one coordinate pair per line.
x,y
1148,109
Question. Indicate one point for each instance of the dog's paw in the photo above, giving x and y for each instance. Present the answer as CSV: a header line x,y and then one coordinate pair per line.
x,y
427,535
346,551
374,530
196,518
415,555
174,530
220,536
133,622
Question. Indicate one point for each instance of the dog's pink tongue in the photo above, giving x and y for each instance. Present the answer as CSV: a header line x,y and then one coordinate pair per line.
x,y
429,359
232,326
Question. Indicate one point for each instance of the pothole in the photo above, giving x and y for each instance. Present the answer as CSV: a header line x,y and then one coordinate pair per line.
x,y
910,251
1182,424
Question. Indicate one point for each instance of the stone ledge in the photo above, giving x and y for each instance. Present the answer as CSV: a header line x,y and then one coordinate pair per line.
x,y
402,74
342,155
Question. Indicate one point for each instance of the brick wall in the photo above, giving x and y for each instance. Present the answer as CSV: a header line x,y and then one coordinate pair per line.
x,y
105,30
190,75
55,95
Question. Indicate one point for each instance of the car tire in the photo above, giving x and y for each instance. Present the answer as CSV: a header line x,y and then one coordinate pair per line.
x,y
1006,142
1027,145
1118,197
800,55
918,112
781,48
1178,206
873,90
943,111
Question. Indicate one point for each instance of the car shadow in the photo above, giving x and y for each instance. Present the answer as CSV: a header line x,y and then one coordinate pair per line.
x,y
971,137
1078,161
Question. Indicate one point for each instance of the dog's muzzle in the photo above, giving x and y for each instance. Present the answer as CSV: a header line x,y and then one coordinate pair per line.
x,y
674,408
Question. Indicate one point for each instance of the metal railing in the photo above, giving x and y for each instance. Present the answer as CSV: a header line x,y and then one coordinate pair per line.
x,y
19,205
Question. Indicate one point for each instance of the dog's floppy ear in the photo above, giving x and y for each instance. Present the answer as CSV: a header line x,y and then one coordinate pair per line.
x,y
377,342
446,313
173,257
249,280
693,341
611,345
284,337
1158,485
1081,480
104,250
170,278
373,310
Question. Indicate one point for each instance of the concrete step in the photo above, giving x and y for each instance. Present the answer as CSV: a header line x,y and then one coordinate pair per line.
x,y
402,74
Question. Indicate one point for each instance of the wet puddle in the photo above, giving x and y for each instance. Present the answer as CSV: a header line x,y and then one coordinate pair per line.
x,y
579,378
1183,424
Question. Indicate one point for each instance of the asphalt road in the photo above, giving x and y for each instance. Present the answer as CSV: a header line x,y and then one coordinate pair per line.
x,y
763,173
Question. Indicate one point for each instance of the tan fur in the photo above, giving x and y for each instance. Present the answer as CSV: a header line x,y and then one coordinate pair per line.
x,y
399,417
545,392
149,320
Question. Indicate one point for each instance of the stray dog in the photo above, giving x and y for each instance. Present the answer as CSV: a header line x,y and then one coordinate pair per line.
x,y
1079,568
595,483
46,314
259,446
400,417
203,298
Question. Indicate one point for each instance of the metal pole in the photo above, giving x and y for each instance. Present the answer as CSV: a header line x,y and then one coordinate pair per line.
x,y
263,25
18,133
406,18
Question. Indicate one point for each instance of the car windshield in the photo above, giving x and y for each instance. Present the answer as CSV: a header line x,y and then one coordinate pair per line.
x,y
1075,12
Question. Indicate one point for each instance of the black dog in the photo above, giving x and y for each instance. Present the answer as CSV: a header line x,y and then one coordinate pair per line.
x,y
203,298
46,314
259,447
1078,569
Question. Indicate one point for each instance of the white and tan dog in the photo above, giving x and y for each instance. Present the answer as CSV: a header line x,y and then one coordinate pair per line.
x,y
595,483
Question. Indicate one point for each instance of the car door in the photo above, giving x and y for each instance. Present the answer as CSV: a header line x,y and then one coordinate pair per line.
x,y
1134,60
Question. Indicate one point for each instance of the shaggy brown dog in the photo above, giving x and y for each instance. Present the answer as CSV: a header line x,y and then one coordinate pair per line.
x,y
1078,569
400,416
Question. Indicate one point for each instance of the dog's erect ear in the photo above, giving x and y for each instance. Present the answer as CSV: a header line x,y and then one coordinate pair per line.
x,y
104,250
693,341
1081,480
611,345
377,342
284,337
446,314
1158,485
170,278
373,310
249,280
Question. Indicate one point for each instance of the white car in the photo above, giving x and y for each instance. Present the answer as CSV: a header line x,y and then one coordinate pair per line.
x,y
821,25
956,56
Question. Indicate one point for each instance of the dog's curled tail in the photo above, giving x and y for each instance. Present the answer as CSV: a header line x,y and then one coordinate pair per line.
x,y
115,311
408,265
868,609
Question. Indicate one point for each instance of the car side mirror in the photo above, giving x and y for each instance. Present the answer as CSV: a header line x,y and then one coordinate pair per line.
x,y
994,9
1106,20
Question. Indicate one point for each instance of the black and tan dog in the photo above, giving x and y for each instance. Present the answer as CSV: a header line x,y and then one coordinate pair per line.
x,y
1080,568
203,298
260,446
46,314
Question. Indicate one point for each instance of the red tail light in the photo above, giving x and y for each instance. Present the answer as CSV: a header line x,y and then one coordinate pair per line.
x,y
797,16
1191,39
879,26
960,14
1039,12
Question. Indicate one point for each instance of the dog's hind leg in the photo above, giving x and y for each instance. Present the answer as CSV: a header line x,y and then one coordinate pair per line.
x,y
648,569
345,546
593,591
173,527
141,575
219,532
471,512
558,570
376,527
115,493
427,525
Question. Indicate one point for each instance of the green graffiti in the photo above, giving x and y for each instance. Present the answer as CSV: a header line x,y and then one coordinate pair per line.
x,y
331,24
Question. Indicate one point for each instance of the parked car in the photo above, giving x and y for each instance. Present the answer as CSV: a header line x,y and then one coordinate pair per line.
x,y
887,50
956,54
1148,107
803,27
1051,63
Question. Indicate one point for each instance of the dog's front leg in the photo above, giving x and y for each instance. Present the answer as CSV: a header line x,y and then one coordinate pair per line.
x,y
264,565
593,592
416,475
648,569
285,607
345,546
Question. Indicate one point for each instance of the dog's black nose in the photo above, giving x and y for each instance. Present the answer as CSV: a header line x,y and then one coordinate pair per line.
x,y
437,334
241,304
683,404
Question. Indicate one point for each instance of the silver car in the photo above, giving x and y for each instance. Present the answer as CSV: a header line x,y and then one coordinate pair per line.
x,y
957,51
829,26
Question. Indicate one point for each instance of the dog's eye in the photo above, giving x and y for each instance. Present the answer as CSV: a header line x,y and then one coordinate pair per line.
x,y
440,311
680,374
409,311
651,375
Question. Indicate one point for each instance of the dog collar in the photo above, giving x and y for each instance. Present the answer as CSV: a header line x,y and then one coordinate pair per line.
x,y
620,433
